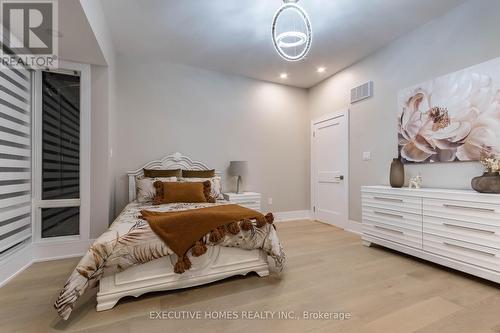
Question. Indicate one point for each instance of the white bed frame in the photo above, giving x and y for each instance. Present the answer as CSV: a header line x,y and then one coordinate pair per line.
x,y
158,275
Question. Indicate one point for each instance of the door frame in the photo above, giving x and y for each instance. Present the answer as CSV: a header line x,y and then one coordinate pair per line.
x,y
343,112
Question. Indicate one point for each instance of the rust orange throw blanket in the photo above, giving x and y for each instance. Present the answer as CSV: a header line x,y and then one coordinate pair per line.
x,y
183,230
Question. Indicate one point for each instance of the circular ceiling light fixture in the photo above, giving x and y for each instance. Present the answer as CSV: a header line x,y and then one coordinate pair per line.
x,y
291,30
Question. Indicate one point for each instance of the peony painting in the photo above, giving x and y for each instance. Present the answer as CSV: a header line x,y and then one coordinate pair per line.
x,y
455,117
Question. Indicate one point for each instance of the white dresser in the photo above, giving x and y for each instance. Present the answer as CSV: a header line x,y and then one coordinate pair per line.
x,y
455,228
246,199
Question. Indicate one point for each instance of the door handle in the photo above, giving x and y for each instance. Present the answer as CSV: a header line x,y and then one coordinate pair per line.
x,y
339,177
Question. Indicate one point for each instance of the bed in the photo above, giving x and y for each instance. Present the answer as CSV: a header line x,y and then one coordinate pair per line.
x,y
130,260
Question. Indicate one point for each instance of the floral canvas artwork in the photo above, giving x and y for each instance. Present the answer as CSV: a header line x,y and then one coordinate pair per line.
x,y
455,117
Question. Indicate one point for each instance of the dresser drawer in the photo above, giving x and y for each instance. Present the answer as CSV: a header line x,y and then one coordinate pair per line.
x,y
245,198
392,217
469,253
393,202
394,234
254,206
245,202
248,204
233,197
400,227
467,211
470,232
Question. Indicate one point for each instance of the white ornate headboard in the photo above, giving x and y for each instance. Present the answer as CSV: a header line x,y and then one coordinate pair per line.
x,y
174,161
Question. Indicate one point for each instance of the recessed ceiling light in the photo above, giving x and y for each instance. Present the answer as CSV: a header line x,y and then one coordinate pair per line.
x,y
284,75
321,69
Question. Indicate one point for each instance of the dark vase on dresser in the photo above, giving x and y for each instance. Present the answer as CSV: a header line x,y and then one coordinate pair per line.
x,y
489,182
397,177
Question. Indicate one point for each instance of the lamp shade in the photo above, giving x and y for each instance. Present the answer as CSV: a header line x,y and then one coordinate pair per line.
x,y
238,168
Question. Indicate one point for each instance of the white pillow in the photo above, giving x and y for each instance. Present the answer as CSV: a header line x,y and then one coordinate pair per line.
x,y
145,187
215,185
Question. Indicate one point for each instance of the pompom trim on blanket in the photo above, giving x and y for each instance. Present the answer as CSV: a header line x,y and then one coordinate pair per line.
x,y
199,248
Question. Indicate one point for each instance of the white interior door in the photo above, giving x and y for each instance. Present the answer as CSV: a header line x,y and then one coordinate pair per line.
x,y
330,162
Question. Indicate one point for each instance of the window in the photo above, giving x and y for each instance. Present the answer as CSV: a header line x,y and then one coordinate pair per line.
x,y
57,222
60,136
60,153
15,158
61,128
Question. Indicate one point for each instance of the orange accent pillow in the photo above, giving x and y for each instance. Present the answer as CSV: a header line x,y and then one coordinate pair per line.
x,y
169,192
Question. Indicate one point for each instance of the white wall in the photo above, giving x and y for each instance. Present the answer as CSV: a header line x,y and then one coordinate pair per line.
x,y
162,108
103,110
100,164
465,36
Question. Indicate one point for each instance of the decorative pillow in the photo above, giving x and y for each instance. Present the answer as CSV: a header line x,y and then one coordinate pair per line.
x,y
215,185
186,192
145,187
198,173
159,173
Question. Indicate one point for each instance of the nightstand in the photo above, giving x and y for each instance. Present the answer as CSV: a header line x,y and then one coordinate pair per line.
x,y
246,199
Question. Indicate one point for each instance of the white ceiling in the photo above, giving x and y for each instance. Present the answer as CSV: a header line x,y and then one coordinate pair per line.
x,y
234,36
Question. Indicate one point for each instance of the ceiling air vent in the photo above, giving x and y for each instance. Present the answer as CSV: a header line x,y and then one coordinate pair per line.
x,y
362,92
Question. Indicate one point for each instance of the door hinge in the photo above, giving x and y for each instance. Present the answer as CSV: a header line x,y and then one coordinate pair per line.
x,y
314,208
314,134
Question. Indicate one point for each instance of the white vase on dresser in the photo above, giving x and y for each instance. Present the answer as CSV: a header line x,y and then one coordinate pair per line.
x,y
455,228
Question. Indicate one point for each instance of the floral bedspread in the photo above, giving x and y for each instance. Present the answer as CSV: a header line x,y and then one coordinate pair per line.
x,y
130,241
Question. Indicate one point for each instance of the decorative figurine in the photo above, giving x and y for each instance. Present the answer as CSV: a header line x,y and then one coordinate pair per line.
x,y
416,182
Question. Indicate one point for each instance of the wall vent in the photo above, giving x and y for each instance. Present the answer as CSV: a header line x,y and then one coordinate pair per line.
x,y
362,92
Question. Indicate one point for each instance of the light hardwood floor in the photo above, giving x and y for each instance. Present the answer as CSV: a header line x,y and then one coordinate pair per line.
x,y
327,270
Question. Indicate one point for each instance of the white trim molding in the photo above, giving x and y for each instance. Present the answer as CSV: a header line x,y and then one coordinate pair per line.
x,y
354,227
85,140
60,250
292,215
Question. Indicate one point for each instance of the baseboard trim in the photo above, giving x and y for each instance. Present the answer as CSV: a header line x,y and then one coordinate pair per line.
x,y
292,215
15,264
40,252
52,251
354,227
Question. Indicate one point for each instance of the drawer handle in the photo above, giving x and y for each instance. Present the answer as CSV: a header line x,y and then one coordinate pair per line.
x,y
389,229
468,228
246,202
388,199
470,250
490,210
389,214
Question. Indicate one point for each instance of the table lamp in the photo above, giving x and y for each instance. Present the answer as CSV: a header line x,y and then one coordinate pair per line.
x,y
238,169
